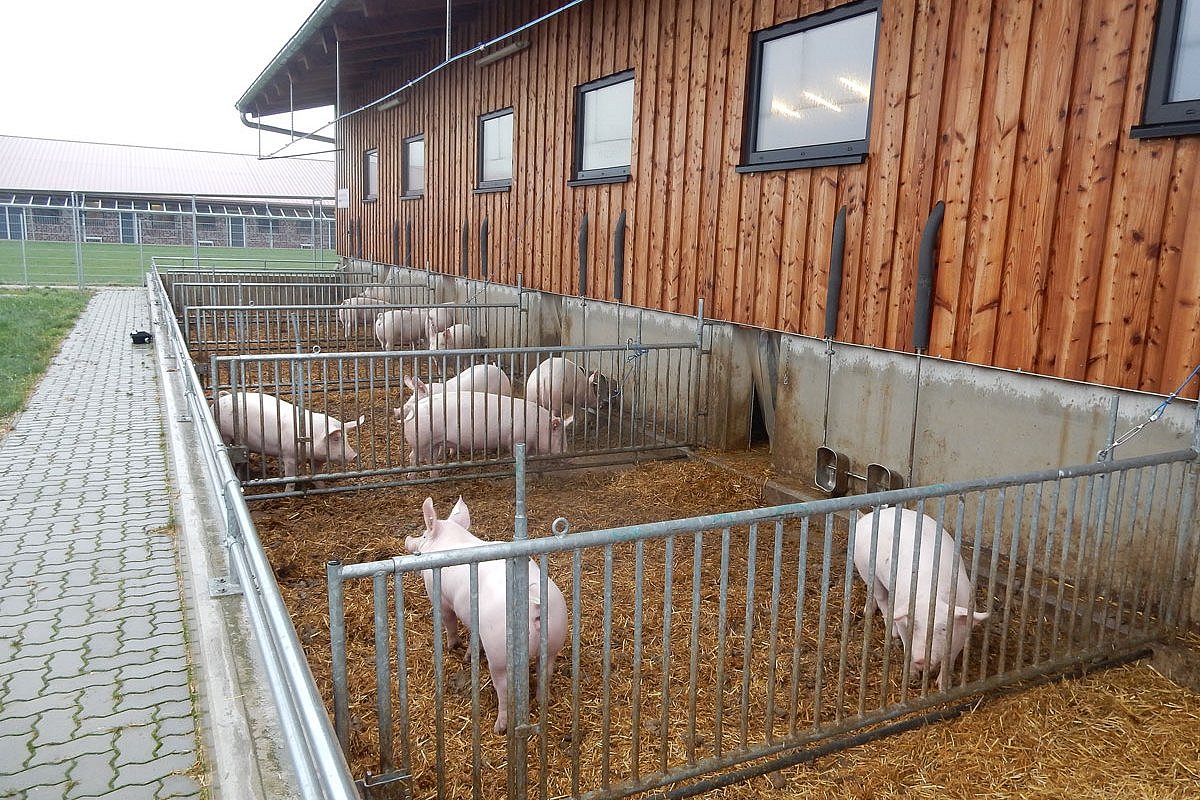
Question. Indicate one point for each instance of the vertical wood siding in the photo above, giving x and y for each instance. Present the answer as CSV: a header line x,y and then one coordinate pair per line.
x,y
1068,249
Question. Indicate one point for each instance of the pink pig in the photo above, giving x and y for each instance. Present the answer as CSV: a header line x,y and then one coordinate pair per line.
x,y
352,313
265,424
399,326
453,533
953,602
465,421
558,382
478,378
458,336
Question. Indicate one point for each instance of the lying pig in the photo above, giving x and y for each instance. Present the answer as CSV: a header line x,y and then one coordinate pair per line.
x,y
551,610
399,326
953,602
458,336
479,378
352,314
558,382
466,421
267,425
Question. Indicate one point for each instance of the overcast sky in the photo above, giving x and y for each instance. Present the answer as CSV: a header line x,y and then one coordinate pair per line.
x,y
161,73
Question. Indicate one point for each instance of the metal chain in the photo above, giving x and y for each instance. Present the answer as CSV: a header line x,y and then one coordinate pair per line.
x,y
1154,416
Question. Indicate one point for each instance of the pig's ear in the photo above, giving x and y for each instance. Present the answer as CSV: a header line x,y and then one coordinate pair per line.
x,y
349,426
976,616
460,514
408,381
429,513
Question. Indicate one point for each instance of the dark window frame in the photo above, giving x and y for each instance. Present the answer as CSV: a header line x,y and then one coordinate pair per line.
x,y
407,192
370,174
808,156
587,177
494,185
1161,117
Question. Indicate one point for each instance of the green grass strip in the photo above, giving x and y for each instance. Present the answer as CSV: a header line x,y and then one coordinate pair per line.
x,y
33,323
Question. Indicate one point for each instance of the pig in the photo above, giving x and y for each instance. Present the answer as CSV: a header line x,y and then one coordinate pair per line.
x,y
458,336
438,319
465,421
557,382
952,601
479,378
267,425
549,610
352,314
399,326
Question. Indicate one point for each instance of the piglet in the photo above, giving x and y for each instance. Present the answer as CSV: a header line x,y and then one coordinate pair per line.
x,y
559,382
438,319
458,336
550,610
479,378
267,425
399,326
953,602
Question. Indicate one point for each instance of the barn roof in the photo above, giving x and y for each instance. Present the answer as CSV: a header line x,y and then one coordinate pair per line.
x,y
55,165
365,34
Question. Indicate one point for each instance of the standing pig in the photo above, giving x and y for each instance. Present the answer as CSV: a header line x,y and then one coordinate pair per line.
x,y
352,313
399,326
557,382
267,425
458,336
952,602
479,378
466,421
438,319
551,610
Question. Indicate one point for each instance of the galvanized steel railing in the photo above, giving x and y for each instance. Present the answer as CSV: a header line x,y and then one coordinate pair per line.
x,y
652,408
739,639
320,770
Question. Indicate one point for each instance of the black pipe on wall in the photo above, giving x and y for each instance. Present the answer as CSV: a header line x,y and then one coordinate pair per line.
x,y
396,242
583,241
483,249
837,255
926,273
408,243
619,258
463,261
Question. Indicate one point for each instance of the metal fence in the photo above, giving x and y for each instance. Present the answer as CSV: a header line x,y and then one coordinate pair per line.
x,y
703,651
76,238
649,406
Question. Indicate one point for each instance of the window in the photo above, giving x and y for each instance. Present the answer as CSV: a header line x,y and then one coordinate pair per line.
x,y
495,150
809,97
414,167
371,175
237,231
604,129
129,228
1173,86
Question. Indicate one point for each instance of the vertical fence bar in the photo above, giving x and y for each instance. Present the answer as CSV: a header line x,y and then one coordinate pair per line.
x,y
337,654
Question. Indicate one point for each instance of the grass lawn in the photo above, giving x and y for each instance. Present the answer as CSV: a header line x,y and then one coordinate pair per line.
x,y
53,263
32,324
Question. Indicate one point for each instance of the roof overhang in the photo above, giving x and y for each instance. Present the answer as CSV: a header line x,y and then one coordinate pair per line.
x,y
364,34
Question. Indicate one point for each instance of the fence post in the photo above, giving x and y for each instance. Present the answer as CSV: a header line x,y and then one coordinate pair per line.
x,y
517,570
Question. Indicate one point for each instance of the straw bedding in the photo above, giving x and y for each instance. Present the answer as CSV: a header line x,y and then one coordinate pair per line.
x,y
1126,732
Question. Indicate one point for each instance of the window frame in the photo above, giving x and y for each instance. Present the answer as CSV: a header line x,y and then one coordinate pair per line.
x,y
495,184
406,191
805,156
1161,117
587,177
370,175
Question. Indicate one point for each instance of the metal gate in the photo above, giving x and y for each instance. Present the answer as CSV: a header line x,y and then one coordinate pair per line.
x,y
703,651
652,406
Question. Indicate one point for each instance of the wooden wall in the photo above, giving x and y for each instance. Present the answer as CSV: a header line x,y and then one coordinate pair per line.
x,y
1068,248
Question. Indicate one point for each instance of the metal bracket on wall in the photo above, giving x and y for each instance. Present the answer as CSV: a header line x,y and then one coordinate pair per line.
x,y
223,587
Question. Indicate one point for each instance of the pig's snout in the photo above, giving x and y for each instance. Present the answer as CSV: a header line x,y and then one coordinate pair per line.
x,y
413,543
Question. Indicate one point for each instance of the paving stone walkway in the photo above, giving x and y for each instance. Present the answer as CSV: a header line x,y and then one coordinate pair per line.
x,y
95,686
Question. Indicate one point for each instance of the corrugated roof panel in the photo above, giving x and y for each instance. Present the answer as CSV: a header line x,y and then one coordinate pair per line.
x,y
55,165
